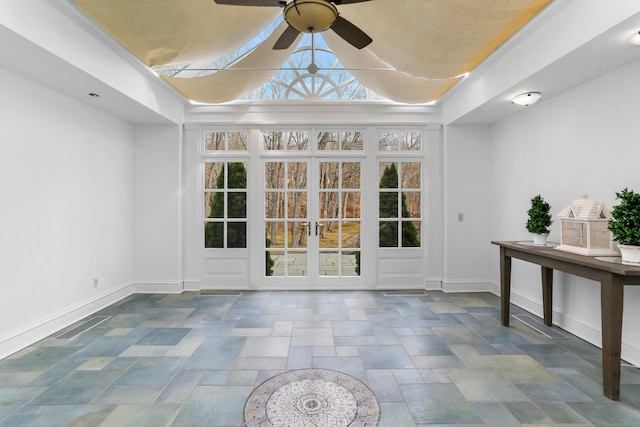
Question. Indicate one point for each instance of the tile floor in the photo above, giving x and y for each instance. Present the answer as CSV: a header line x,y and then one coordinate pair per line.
x,y
189,360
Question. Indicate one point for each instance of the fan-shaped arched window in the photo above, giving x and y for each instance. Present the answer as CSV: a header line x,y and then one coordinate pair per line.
x,y
312,72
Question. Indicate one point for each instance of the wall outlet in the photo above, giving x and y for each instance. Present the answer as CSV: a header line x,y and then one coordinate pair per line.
x,y
95,282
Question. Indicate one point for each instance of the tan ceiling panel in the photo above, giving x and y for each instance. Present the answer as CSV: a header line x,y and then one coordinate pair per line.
x,y
178,32
424,46
239,79
393,84
439,38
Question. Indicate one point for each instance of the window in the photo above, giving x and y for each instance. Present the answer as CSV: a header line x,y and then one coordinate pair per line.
x,y
225,190
312,72
341,140
400,141
225,141
400,190
285,140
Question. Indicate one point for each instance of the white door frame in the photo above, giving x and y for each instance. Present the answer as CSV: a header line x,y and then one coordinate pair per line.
x,y
313,278
251,260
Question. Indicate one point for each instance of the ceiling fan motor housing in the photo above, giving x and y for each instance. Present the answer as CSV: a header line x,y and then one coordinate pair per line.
x,y
310,16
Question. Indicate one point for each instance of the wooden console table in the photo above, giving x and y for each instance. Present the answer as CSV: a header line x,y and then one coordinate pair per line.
x,y
612,277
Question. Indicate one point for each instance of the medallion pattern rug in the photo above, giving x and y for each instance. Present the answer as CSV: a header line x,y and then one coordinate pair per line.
x,y
311,398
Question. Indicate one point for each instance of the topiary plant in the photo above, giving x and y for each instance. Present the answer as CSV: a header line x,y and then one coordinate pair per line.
x,y
539,216
625,218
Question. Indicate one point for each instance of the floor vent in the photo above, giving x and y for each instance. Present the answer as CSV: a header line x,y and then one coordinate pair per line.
x,y
405,293
220,293
84,327
538,325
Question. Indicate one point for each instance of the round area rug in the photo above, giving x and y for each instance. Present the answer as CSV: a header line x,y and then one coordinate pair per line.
x,y
311,398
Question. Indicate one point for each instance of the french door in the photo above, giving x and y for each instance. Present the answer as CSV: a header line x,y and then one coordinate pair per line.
x,y
312,221
323,208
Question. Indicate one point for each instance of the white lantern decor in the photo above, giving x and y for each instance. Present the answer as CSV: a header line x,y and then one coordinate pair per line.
x,y
584,229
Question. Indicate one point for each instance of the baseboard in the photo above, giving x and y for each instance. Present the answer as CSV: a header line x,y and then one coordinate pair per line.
x,y
590,333
153,287
494,289
526,303
29,334
433,285
465,286
191,285
631,354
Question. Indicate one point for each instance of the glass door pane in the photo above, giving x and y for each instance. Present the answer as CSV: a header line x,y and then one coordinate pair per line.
x,y
285,215
338,224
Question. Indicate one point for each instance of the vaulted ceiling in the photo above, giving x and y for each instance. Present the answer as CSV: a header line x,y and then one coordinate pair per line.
x,y
420,49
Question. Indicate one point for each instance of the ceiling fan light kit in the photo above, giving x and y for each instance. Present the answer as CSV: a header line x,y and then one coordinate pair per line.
x,y
527,98
310,16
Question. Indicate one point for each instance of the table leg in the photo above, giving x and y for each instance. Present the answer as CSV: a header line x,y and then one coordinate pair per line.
x,y
612,291
547,295
505,286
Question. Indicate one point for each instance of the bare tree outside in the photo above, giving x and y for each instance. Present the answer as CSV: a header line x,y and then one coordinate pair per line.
x,y
289,156
400,193
226,141
338,198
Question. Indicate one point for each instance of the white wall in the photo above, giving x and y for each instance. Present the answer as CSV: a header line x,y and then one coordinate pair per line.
x,y
157,206
583,142
66,216
192,238
50,43
468,173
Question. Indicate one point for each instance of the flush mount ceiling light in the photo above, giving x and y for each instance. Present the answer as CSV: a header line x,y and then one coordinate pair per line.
x,y
527,98
635,39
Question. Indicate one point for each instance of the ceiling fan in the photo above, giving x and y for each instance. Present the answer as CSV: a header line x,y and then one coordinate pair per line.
x,y
310,16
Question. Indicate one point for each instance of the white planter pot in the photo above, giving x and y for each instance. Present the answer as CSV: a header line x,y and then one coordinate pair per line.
x,y
540,239
630,254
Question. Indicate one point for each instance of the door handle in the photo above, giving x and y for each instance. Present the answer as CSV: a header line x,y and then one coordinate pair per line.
x,y
318,225
307,226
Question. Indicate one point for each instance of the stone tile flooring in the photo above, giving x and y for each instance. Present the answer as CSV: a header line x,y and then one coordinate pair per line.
x,y
189,360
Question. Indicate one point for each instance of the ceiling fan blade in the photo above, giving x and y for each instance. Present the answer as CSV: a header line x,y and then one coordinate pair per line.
x,y
278,3
352,34
288,36
339,2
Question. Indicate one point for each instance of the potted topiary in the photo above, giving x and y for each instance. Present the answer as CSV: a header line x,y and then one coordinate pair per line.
x,y
625,225
539,220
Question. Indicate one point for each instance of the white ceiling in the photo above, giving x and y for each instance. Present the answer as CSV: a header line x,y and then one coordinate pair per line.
x,y
35,63
608,51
